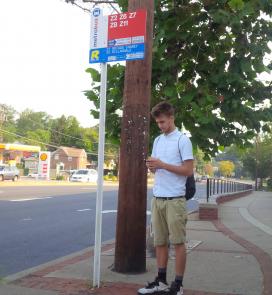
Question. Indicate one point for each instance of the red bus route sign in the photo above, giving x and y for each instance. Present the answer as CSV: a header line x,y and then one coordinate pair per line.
x,y
127,28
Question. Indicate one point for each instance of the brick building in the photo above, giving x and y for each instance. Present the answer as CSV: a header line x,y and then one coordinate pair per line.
x,y
67,158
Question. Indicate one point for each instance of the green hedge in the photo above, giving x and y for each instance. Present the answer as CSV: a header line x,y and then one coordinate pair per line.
x,y
269,183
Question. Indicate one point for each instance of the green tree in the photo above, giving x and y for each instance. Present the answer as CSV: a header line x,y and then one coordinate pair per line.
x,y
38,137
206,58
30,121
199,161
115,86
259,159
66,131
89,139
38,128
8,124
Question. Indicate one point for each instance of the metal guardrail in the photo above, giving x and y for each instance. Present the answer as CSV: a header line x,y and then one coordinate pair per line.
x,y
216,186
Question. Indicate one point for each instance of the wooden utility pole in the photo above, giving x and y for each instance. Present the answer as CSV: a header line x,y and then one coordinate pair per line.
x,y
130,245
3,118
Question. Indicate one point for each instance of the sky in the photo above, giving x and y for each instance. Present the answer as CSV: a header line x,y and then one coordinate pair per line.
x,y
44,48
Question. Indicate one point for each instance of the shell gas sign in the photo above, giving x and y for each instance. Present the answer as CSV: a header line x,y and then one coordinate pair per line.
x,y
44,165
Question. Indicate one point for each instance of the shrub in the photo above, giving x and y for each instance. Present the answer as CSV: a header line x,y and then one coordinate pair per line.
x,y
20,165
110,177
106,177
60,177
269,183
26,171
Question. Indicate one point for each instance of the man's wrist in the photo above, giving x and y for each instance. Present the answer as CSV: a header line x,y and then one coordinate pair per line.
x,y
163,165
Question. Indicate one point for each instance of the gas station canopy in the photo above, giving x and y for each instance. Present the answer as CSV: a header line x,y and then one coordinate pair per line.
x,y
19,147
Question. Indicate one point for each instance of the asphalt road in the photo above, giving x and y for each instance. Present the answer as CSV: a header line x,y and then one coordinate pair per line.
x,y
42,223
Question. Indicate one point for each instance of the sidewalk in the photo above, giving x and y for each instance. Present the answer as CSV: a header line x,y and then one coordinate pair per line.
x,y
230,256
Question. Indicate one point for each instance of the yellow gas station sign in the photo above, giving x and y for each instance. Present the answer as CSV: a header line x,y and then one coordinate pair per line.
x,y
19,147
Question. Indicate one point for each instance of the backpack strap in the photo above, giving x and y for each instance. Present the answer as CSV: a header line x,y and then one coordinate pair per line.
x,y
156,142
178,146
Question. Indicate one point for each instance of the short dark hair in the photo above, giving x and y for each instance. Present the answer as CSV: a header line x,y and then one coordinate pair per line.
x,y
163,108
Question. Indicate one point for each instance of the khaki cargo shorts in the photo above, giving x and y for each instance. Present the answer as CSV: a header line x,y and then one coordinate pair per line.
x,y
169,218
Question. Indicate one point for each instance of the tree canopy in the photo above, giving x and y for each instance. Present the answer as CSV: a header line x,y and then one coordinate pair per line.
x,y
207,56
226,168
39,128
258,159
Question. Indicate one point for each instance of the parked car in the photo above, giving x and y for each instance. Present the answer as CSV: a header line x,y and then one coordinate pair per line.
x,y
204,177
84,175
198,179
71,173
8,173
34,175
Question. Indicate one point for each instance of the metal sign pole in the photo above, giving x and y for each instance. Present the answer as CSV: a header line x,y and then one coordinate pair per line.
x,y
99,196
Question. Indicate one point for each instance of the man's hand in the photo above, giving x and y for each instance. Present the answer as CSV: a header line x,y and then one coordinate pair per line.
x,y
185,169
154,163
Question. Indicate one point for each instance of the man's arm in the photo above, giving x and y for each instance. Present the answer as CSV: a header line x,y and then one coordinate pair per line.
x,y
186,169
153,170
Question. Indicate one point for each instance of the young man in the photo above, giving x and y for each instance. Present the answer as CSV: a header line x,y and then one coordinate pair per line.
x,y
172,162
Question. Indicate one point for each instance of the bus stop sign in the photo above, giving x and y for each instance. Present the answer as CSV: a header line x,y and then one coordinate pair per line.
x,y
117,37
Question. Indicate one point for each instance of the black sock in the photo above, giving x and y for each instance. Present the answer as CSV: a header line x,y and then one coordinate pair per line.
x,y
178,281
162,274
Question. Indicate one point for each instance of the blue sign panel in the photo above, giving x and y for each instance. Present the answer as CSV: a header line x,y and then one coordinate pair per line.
x,y
117,53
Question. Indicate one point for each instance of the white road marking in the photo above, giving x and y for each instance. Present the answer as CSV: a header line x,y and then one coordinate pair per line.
x,y
244,212
81,210
30,199
109,211
26,219
88,188
115,211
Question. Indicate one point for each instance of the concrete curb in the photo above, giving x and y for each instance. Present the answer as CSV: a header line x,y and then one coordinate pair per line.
x,y
59,261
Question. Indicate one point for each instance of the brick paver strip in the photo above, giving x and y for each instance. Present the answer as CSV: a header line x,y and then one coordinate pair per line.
x,y
73,260
211,250
261,256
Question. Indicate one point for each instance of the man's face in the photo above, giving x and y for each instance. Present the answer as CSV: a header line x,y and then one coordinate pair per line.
x,y
165,123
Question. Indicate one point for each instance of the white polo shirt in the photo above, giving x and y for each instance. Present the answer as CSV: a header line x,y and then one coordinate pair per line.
x,y
169,149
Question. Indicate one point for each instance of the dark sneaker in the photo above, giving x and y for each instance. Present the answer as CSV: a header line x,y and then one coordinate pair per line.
x,y
156,287
175,289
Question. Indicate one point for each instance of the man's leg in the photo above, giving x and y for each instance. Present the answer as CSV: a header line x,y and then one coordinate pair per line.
x,y
159,285
180,262
162,260
180,250
162,256
177,218
161,244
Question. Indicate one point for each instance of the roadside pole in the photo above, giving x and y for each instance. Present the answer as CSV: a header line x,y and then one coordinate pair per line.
x,y
114,38
99,196
130,246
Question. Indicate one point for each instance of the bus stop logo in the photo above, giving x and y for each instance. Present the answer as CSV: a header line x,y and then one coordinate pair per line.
x,y
43,157
96,12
